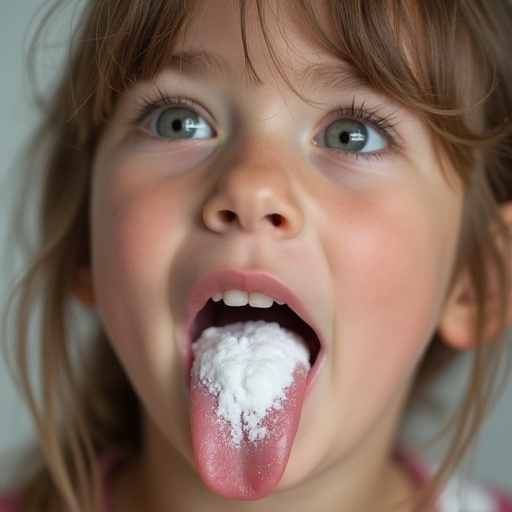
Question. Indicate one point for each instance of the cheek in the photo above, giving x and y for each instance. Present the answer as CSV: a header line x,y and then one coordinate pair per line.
x,y
393,261
140,217
392,269
137,222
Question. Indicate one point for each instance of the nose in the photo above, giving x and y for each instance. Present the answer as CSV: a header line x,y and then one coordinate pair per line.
x,y
254,198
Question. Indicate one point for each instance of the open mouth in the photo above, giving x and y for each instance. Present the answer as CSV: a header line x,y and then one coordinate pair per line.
x,y
218,314
248,387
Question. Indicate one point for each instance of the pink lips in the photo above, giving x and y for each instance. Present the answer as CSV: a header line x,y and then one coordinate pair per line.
x,y
253,281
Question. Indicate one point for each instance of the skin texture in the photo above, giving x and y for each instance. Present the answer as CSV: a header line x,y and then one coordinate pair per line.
x,y
365,243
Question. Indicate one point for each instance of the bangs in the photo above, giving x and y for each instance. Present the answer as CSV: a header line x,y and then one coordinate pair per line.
x,y
133,42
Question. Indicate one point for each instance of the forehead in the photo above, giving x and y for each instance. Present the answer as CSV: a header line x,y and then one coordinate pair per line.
x,y
228,42
221,22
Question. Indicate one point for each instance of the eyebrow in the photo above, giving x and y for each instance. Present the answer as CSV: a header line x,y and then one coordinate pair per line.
x,y
334,76
330,76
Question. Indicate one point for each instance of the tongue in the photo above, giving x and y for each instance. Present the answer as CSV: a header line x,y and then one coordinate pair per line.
x,y
248,384
247,470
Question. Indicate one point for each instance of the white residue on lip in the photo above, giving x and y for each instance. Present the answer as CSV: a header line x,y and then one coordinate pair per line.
x,y
249,366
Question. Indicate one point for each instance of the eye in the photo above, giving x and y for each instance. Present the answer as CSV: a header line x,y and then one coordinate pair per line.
x,y
351,136
179,123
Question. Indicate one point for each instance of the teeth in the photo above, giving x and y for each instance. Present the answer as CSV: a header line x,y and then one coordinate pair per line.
x,y
258,300
236,298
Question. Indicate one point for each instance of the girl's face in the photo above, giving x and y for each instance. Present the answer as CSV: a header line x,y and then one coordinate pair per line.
x,y
335,202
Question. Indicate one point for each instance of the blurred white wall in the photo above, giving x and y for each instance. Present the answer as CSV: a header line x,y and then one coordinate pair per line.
x,y
17,118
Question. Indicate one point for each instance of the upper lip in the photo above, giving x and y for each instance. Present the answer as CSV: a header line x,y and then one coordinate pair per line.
x,y
249,281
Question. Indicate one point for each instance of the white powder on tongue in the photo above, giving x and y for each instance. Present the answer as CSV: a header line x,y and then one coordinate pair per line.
x,y
248,366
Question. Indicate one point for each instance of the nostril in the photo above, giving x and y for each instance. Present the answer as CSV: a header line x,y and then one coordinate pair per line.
x,y
221,219
227,216
276,219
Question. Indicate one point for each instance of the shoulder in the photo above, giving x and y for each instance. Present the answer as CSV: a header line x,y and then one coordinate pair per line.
x,y
458,494
8,504
473,497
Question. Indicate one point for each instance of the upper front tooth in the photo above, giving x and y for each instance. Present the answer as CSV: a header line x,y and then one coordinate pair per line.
x,y
235,298
258,300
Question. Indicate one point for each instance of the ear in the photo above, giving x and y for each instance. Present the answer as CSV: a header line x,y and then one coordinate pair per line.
x,y
457,325
83,287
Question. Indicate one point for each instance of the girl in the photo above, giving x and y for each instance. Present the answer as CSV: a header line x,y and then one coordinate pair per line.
x,y
335,168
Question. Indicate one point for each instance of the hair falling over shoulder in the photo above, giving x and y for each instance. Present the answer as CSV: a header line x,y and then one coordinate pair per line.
x,y
447,60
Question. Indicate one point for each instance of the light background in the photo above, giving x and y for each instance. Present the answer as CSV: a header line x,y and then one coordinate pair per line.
x,y
18,116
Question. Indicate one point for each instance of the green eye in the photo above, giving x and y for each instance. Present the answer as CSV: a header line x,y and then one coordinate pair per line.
x,y
351,136
181,123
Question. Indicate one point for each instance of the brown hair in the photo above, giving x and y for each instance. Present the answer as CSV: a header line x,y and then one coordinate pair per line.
x,y
455,76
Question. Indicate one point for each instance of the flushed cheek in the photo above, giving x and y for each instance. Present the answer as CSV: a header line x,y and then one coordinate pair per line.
x,y
138,217
391,269
136,227
141,215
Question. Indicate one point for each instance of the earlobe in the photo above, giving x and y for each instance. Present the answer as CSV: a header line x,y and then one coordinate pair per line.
x,y
83,287
457,326
458,321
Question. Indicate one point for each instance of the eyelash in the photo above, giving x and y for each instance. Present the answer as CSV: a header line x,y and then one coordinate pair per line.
x,y
384,125
147,107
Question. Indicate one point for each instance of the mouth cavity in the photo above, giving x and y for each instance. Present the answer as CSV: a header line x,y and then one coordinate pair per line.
x,y
217,314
